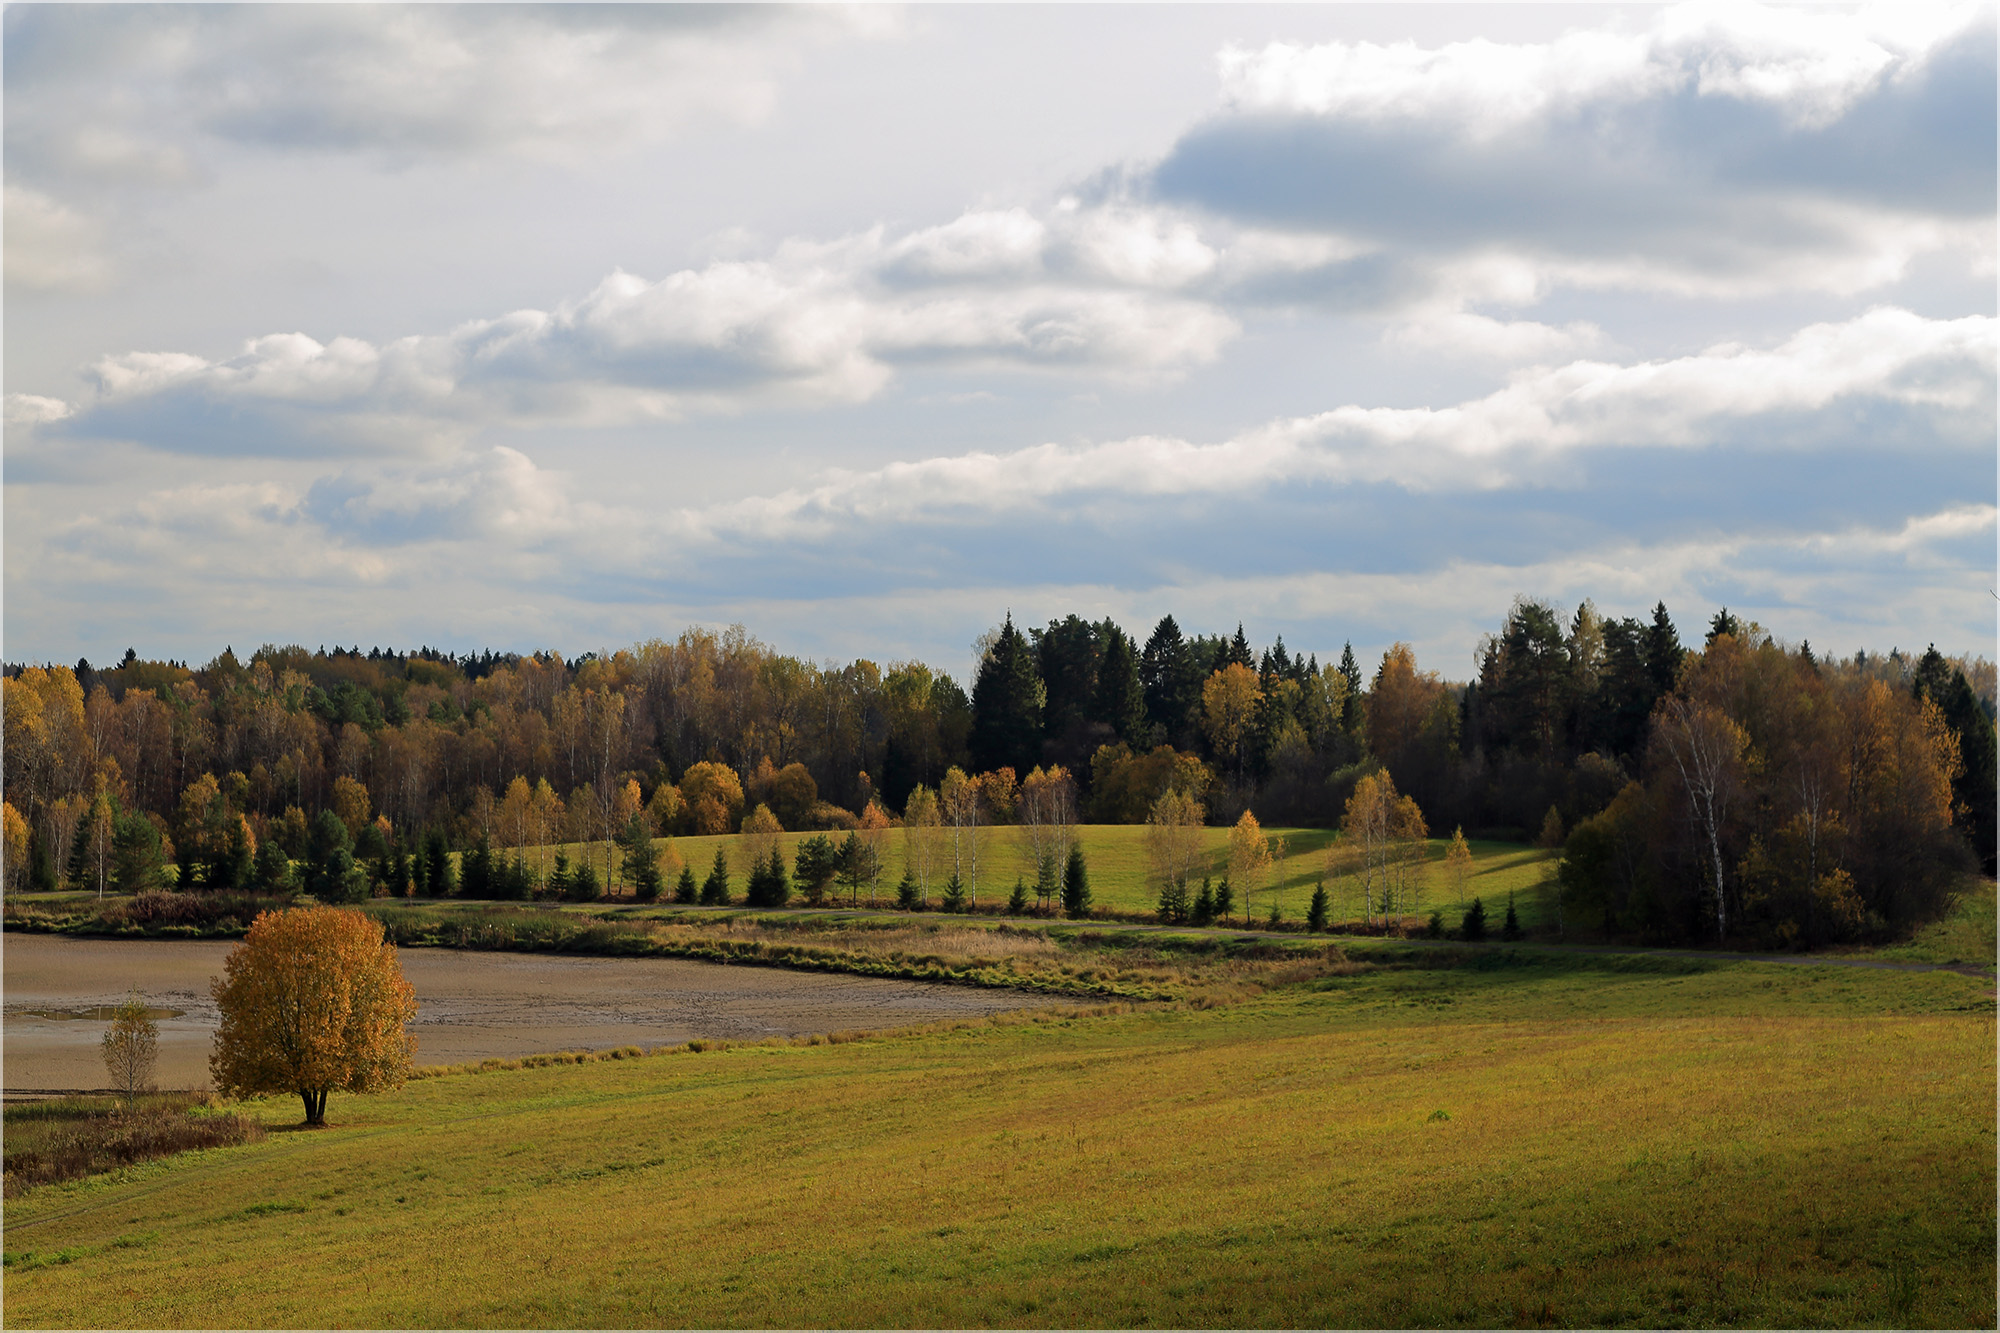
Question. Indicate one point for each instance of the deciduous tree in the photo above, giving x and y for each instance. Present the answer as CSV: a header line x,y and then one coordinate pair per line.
x,y
312,1000
131,1046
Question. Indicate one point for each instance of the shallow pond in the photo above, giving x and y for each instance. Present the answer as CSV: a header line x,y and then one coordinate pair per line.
x,y
470,1005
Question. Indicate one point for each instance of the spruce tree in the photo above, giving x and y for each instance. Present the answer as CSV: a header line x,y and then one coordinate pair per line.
x,y
642,866
1316,914
437,854
329,859
781,884
1350,714
475,873
907,896
1121,699
1007,705
1048,884
272,872
715,889
583,883
1473,926
1225,900
1510,929
1203,912
1017,902
1076,885
954,895
685,889
558,886
1171,681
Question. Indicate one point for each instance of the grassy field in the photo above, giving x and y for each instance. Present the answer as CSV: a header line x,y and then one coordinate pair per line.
x,y
1492,1139
1119,878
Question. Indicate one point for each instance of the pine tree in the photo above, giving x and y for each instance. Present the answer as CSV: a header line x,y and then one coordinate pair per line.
x,y
329,859
583,882
1076,885
1173,908
1473,926
1048,884
642,866
781,885
1007,705
715,889
475,873
1316,914
685,890
1511,928
1121,699
1017,902
1350,717
558,886
954,895
1225,900
272,872
437,854
1203,912
908,898
1171,681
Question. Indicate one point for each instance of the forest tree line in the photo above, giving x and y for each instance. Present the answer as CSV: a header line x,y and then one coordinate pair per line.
x,y
1739,786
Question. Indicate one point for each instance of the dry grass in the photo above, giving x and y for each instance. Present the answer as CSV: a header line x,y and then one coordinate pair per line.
x,y
68,1138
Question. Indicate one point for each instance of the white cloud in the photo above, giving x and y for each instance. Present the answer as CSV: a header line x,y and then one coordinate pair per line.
x,y
813,324
1506,438
50,246
546,81
30,409
1722,152
1811,65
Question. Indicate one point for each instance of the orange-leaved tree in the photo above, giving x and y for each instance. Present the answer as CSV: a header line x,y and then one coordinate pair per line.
x,y
314,1000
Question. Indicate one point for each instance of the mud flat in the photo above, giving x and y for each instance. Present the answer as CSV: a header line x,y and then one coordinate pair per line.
x,y
471,1005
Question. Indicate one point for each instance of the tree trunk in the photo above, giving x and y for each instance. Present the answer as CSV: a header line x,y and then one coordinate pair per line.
x,y
315,1100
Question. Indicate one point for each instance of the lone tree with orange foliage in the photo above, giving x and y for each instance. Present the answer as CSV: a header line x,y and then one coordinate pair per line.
x,y
314,1000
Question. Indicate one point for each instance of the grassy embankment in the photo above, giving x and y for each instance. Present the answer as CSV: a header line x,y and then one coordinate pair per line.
x,y
1512,1139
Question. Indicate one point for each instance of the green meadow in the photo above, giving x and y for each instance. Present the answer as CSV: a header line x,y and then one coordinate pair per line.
x,y
1120,881
1397,1137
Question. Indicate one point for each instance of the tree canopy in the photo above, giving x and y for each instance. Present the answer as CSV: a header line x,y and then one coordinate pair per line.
x,y
312,1000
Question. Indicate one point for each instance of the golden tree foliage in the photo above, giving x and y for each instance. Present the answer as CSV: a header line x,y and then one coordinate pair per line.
x,y
1229,702
960,803
1458,865
874,829
352,804
1249,857
1384,834
15,846
717,786
760,837
1047,812
664,810
1173,836
922,832
312,1000
514,814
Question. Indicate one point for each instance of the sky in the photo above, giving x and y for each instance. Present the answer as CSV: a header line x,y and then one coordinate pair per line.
x,y
509,327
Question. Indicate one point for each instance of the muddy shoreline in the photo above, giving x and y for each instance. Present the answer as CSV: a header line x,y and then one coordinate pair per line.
x,y
473,1005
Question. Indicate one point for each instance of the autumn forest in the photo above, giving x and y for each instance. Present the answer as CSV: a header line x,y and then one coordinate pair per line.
x,y
1741,787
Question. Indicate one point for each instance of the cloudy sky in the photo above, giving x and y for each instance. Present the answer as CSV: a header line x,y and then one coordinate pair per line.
x,y
506,327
